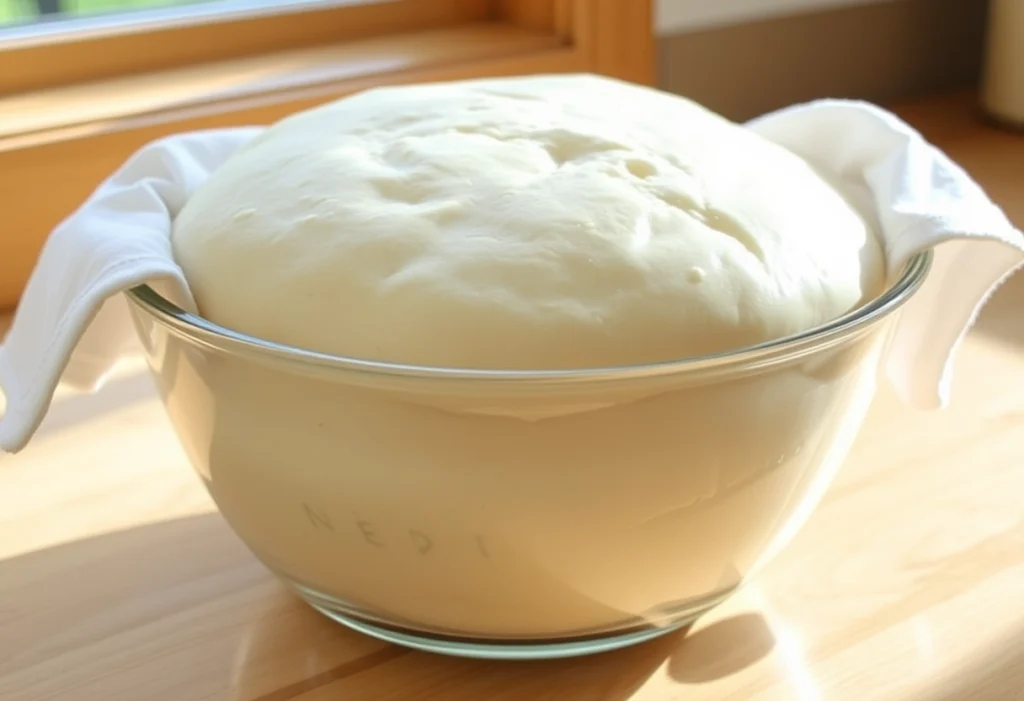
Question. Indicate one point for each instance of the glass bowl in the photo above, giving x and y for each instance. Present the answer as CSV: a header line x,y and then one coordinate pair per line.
x,y
516,514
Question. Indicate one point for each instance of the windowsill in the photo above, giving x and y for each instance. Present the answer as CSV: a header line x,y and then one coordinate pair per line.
x,y
50,115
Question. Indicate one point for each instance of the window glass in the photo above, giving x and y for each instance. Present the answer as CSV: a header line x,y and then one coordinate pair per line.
x,y
27,15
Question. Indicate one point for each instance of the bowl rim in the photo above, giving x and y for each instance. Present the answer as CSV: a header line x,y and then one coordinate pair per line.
x,y
205,333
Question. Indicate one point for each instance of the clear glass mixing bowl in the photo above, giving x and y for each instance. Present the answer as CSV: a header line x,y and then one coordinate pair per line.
x,y
516,514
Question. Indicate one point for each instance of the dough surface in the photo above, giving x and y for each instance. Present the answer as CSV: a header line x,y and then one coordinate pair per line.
x,y
546,222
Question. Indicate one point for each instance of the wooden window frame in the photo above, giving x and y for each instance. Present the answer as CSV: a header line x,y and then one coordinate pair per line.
x,y
62,130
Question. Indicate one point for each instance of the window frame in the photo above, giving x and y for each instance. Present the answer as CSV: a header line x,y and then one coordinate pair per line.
x,y
62,134
91,49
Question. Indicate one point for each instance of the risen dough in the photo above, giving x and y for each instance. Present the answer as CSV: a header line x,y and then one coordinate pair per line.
x,y
530,223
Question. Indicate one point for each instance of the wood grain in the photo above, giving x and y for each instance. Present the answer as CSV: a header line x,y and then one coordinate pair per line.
x,y
119,582
550,15
534,14
618,42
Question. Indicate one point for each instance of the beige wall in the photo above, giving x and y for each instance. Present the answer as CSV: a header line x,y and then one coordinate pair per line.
x,y
675,16
876,52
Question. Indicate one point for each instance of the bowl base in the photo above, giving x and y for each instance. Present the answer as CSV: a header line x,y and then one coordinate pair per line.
x,y
497,649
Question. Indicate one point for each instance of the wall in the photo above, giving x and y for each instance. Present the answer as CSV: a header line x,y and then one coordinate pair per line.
x,y
746,57
673,16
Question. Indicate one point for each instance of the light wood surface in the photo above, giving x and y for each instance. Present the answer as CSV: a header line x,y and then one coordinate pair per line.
x,y
119,582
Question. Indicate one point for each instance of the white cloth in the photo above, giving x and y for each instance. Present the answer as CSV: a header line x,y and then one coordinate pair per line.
x,y
73,325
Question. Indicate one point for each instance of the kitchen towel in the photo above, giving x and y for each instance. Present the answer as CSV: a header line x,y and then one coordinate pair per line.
x,y
72,323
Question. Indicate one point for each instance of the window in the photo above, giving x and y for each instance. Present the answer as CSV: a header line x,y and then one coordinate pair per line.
x,y
82,88
19,12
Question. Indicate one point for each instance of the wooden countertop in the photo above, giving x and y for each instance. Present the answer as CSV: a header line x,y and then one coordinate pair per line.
x,y
119,582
